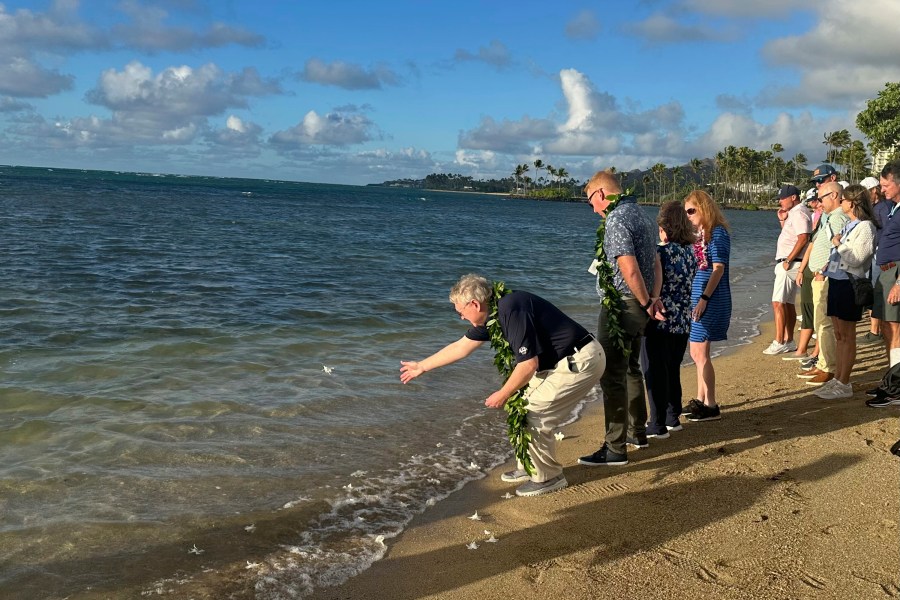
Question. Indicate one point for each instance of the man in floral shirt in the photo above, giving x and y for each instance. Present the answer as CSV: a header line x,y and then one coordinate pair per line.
x,y
630,246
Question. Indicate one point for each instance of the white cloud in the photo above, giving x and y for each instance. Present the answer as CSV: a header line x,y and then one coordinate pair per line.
x,y
238,136
332,129
23,78
845,59
147,31
757,9
583,26
347,75
659,29
495,54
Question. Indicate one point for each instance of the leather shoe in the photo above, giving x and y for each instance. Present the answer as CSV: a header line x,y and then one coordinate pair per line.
x,y
811,374
820,379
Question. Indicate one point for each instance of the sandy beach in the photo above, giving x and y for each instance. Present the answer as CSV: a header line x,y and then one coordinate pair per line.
x,y
788,496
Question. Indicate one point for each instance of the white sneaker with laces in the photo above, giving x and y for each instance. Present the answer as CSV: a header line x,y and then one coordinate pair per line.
x,y
838,390
790,346
775,347
825,387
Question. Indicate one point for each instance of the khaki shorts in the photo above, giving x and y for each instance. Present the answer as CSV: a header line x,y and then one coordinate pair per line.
x,y
786,288
882,309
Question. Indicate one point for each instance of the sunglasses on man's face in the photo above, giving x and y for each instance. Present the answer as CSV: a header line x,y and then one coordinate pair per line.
x,y
690,211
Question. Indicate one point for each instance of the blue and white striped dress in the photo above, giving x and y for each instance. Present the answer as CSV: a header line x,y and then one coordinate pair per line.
x,y
713,325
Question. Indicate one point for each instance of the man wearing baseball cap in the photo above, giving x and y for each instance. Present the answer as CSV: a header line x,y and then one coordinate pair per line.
x,y
882,209
822,174
789,250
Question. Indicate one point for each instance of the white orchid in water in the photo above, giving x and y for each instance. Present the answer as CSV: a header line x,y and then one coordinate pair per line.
x,y
250,528
196,550
327,369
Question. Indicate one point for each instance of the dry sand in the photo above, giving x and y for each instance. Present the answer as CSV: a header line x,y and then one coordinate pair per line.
x,y
788,496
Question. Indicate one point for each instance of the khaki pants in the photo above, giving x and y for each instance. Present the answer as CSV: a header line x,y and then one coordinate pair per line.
x,y
824,328
552,396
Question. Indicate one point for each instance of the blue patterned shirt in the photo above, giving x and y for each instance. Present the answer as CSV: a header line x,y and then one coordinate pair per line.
x,y
679,265
630,232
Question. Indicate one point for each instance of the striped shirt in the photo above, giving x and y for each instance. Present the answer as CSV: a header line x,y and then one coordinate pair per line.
x,y
829,225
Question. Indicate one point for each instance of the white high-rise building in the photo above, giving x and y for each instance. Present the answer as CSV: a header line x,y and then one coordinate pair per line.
x,y
881,158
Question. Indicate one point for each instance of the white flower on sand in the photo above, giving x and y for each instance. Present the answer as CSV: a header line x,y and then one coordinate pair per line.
x,y
250,528
492,539
327,369
473,466
486,532
358,473
475,517
196,550
430,502
439,445
507,496
380,540
559,435
252,565
433,481
472,546
348,487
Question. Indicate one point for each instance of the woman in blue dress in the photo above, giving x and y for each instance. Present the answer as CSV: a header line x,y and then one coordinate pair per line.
x,y
710,297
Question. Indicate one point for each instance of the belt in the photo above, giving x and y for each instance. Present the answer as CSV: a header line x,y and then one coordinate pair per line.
x,y
580,344
781,260
888,266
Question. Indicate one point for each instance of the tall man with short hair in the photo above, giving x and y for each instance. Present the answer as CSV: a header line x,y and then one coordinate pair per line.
x,y
630,246
791,244
887,288
815,259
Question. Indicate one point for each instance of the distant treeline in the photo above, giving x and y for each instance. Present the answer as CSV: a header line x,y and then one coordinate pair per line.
x,y
455,183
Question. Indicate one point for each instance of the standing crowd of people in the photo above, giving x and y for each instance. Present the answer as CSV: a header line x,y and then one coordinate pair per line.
x,y
664,287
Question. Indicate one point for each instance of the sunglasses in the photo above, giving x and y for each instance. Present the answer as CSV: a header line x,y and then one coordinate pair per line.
x,y
690,211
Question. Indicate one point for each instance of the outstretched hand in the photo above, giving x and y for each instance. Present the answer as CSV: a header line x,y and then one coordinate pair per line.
x,y
496,400
409,370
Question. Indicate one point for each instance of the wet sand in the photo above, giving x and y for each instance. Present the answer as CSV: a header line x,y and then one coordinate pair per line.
x,y
788,496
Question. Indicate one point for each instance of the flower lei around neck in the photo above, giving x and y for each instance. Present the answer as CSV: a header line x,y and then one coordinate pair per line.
x,y
612,298
517,406
700,250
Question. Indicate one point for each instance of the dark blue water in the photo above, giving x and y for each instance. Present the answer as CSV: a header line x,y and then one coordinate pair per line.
x,y
167,338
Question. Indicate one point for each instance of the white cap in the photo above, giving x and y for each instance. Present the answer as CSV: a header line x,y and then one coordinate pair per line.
x,y
811,193
844,184
869,182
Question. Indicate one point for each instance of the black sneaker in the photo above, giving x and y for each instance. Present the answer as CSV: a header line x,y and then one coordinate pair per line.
x,y
693,405
705,413
637,442
875,392
883,400
603,456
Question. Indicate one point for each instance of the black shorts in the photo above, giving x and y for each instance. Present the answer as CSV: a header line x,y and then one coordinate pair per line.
x,y
841,301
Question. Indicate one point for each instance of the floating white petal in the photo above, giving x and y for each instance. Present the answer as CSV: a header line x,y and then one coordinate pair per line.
x,y
492,540
196,550
328,369
250,528
507,496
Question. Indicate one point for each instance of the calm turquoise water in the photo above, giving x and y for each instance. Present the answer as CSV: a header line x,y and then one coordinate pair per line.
x,y
163,349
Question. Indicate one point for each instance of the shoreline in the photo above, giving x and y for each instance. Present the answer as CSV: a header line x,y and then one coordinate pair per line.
x,y
752,506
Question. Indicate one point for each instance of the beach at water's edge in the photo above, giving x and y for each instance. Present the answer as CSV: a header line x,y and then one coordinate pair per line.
x,y
788,496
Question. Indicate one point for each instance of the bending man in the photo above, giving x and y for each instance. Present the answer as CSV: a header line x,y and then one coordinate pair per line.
x,y
555,357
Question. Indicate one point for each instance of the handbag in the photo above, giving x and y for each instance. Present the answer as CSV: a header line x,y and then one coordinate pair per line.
x,y
863,292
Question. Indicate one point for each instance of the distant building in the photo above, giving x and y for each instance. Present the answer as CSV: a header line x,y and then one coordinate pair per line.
x,y
881,158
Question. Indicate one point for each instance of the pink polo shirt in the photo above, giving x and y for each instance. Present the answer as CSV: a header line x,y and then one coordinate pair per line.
x,y
798,222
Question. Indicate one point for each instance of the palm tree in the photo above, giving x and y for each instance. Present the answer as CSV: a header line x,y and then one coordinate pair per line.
x,y
696,163
800,162
538,165
526,179
517,174
561,174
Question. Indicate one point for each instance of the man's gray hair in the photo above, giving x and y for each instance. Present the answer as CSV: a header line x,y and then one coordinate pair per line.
x,y
471,287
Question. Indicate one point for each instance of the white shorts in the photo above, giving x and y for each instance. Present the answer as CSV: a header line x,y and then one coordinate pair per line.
x,y
786,288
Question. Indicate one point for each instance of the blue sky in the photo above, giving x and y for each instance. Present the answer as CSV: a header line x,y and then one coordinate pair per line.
x,y
360,92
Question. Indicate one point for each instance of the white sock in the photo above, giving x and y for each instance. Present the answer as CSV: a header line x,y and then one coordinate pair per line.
x,y
895,356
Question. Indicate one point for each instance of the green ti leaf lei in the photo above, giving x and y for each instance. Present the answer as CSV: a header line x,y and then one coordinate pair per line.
x,y
612,298
517,406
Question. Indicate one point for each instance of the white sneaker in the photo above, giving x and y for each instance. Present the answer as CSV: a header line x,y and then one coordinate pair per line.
x,y
838,390
774,348
825,387
790,346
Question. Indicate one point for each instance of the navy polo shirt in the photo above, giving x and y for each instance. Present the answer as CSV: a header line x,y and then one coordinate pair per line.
x,y
533,327
889,244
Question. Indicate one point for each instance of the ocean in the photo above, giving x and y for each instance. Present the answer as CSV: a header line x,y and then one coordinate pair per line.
x,y
201,372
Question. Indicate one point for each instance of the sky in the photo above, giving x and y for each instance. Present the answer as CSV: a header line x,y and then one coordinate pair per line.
x,y
358,92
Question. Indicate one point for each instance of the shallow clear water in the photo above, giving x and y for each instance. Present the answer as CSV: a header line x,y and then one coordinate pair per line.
x,y
163,349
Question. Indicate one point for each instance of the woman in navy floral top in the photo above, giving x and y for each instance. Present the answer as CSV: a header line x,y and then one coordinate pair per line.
x,y
666,341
